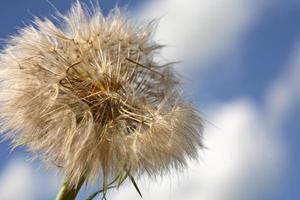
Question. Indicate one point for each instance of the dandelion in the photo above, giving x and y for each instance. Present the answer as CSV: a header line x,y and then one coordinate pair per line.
x,y
85,95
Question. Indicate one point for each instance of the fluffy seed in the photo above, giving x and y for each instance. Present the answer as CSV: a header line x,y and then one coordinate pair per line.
x,y
85,94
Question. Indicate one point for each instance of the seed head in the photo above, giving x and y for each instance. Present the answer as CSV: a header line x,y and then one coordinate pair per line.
x,y
85,94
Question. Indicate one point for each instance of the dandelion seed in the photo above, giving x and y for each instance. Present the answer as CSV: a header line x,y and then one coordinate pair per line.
x,y
85,95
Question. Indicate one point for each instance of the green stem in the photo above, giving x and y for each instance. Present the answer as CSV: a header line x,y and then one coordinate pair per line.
x,y
67,192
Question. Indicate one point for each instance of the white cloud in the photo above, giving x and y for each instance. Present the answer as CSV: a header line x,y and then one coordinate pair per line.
x,y
284,93
200,30
21,180
242,161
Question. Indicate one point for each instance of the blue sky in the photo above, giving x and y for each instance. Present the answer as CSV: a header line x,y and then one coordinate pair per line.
x,y
241,67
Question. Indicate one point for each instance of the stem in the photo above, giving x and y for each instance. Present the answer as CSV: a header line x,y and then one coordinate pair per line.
x,y
67,192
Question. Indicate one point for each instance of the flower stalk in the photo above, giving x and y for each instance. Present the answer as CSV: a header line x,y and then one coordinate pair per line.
x,y
68,192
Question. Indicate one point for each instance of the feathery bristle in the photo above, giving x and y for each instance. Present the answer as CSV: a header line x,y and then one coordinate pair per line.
x,y
86,95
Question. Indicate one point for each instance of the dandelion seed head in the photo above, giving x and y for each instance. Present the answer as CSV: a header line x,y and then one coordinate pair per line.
x,y
85,94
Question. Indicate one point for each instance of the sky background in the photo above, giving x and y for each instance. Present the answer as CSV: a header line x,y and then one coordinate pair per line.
x,y
240,67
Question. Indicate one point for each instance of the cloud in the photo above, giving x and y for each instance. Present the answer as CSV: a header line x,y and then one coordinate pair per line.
x,y
201,30
21,180
242,161
284,93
